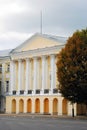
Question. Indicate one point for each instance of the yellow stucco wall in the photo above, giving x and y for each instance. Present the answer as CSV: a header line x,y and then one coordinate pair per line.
x,y
39,42
42,98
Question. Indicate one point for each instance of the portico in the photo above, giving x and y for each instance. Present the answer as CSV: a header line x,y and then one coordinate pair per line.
x,y
40,80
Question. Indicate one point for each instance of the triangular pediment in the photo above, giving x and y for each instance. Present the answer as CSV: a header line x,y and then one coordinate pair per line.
x,y
38,41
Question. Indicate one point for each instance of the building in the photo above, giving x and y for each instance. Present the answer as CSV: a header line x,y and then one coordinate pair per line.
x,y
28,80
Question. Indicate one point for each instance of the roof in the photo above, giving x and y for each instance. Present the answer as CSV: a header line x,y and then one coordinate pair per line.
x,y
55,38
58,39
5,53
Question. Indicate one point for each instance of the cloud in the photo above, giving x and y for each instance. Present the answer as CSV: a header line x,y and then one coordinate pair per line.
x,y
59,17
14,38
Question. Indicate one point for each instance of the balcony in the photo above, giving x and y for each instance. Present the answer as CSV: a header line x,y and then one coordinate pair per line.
x,y
14,92
21,92
37,91
55,90
29,91
46,91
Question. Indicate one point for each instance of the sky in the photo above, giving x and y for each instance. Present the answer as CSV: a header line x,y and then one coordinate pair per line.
x,y
20,19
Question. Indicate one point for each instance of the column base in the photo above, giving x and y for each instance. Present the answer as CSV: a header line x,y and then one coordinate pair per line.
x,y
25,92
42,92
18,92
33,92
50,92
59,94
60,114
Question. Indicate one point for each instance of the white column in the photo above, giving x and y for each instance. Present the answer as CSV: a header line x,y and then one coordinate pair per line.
x,y
15,76
38,74
27,75
43,73
12,75
22,76
47,74
35,75
19,75
53,78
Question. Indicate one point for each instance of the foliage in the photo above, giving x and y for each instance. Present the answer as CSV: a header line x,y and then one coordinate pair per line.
x,y
72,68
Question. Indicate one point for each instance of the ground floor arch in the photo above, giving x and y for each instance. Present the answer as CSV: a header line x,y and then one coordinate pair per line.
x,y
46,106
64,107
13,106
37,105
43,104
29,105
55,106
21,106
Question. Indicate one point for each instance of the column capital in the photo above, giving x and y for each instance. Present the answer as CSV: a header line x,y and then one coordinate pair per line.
x,y
12,61
27,59
53,55
19,60
44,57
35,58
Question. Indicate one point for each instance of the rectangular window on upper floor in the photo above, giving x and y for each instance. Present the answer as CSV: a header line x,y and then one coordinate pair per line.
x,y
7,86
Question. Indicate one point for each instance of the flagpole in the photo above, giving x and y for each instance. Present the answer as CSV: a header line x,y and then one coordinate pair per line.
x,y
41,22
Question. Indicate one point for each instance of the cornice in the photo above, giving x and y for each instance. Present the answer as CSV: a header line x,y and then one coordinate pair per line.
x,y
36,52
4,59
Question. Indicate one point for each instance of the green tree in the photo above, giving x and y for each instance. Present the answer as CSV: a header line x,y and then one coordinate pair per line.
x,y
72,68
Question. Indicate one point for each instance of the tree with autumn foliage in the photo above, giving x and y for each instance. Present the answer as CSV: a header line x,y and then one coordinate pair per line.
x,y
72,68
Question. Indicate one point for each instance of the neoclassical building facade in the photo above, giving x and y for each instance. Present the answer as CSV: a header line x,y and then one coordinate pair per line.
x,y
28,81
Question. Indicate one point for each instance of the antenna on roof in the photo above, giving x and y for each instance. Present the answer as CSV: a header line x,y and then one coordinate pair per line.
x,y
41,22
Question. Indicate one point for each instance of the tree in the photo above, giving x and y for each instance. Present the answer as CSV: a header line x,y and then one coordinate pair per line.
x,y
72,68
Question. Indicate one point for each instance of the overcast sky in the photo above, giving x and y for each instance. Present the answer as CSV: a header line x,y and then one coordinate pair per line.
x,y
19,19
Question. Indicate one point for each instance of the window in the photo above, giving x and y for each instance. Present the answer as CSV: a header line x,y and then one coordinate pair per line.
x,y
7,86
